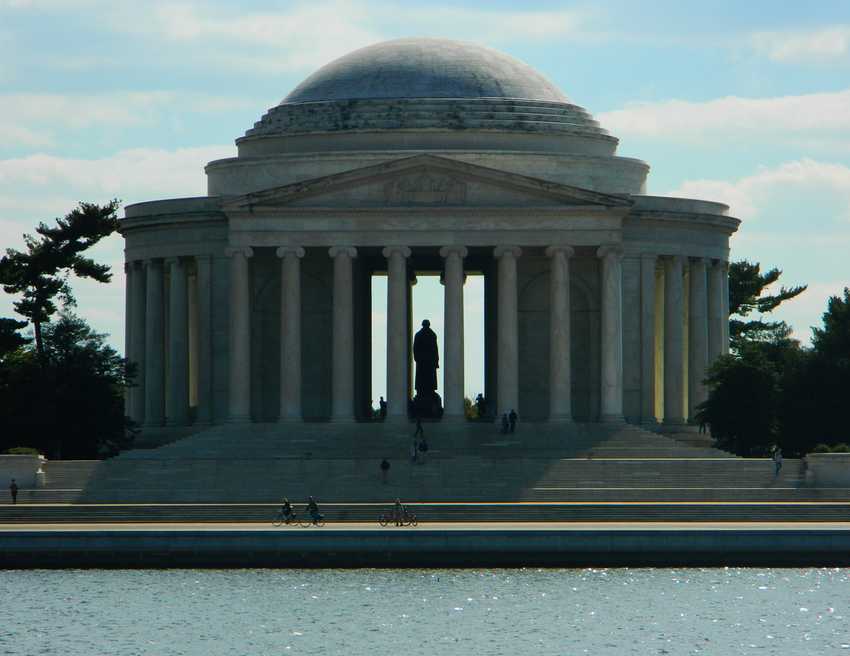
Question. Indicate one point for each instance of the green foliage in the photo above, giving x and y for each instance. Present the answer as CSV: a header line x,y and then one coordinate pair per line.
x,y
22,451
70,403
747,294
10,339
39,274
742,405
832,341
469,409
821,448
770,390
841,447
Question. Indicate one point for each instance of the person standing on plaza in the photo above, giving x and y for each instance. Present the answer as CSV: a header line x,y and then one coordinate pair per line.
x,y
385,470
420,432
504,422
777,461
512,417
13,489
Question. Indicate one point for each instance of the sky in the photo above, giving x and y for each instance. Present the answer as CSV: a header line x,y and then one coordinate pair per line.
x,y
745,103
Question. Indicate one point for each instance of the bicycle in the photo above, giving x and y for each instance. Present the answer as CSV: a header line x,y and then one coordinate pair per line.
x,y
408,519
280,519
307,521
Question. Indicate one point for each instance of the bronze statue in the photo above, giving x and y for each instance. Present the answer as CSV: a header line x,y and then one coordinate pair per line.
x,y
427,402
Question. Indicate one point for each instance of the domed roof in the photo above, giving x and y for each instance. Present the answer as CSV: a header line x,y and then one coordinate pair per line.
x,y
406,87
425,68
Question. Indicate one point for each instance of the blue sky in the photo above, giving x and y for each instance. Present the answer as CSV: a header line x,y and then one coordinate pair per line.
x,y
748,103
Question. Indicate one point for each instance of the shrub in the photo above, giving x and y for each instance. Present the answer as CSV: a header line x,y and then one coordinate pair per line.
x,y
841,448
821,448
22,451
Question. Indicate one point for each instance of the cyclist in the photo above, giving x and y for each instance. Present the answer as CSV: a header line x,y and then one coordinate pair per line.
x,y
286,511
399,512
313,510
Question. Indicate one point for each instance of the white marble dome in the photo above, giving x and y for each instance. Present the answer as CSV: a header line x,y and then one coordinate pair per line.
x,y
425,85
425,68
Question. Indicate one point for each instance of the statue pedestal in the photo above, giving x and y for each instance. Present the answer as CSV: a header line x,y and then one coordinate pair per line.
x,y
427,406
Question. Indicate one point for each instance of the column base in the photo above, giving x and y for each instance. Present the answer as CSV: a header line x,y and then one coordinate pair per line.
x,y
675,426
343,420
290,420
238,419
561,419
612,419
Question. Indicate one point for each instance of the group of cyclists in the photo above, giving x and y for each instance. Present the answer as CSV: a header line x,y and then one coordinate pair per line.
x,y
287,515
400,515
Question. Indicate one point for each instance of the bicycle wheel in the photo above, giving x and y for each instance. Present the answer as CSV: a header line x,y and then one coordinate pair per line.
x,y
413,519
382,520
278,519
320,522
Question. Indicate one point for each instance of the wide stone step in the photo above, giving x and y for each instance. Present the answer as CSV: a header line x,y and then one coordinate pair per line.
x,y
333,512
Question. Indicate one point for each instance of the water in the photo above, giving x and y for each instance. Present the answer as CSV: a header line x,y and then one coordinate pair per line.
x,y
409,612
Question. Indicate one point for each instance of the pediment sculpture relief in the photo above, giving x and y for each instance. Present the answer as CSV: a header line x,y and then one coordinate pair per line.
x,y
425,189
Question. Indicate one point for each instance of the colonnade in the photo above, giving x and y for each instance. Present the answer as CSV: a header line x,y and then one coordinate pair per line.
x,y
154,333
704,322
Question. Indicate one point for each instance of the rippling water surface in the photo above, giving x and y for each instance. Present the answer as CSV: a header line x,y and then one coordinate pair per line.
x,y
407,612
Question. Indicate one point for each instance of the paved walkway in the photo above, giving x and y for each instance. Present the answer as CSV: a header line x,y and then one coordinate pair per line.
x,y
441,526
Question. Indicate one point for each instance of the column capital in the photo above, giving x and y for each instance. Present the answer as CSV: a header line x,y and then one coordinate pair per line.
x,y
674,259
500,251
333,251
283,251
720,264
696,259
244,251
389,251
610,250
649,257
555,249
169,261
462,251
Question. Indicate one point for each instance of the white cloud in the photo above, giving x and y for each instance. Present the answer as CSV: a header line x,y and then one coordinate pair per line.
x,y
749,196
39,119
307,35
823,44
814,118
40,187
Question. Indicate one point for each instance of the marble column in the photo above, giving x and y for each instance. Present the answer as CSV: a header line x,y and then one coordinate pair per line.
x,y
715,311
203,293
453,361
674,365
398,332
697,335
239,403
177,398
137,332
647,337
508,330
129,273
560,382
724,278
342,376
612,333
290,328
154,344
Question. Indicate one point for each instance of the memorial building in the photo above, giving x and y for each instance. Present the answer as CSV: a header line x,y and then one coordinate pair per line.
x,y
253,303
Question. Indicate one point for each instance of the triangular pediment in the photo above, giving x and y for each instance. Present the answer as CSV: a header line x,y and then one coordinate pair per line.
x,y
424,181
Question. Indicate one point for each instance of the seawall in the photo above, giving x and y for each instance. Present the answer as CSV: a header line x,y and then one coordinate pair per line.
x,y
486,547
